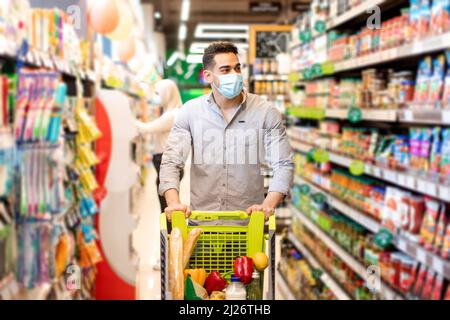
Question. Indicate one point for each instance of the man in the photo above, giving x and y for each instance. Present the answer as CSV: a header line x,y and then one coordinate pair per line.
x,y
232,134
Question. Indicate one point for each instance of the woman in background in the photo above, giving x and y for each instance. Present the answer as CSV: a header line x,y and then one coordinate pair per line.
x,y
170,101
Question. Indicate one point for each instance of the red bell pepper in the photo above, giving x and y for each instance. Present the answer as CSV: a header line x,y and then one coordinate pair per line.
x,y
243,267
214,282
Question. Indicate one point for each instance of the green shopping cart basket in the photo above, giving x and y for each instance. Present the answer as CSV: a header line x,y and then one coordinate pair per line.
x,y
219,245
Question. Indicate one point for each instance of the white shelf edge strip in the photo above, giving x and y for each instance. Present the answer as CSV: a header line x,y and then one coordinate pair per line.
x,y
430,44
411,248
353,13
387,292
281,282
367,114
405,180
326,278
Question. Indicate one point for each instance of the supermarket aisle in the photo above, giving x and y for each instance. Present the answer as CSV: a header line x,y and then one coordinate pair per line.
x,y
146,237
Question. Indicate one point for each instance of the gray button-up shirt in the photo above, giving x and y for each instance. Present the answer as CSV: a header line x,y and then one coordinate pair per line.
x,y
227,158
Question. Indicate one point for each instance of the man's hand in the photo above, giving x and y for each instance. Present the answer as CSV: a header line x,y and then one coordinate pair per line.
x,y
268,211
177,207
174,204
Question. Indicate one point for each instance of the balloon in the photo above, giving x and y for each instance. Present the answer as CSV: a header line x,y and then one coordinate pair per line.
x,y
104,16
126,49
125,26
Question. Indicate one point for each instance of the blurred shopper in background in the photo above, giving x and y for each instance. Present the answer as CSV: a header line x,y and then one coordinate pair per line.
x,y
169,99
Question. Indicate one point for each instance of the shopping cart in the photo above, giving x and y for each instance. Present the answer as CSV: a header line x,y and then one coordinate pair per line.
x,y
219,245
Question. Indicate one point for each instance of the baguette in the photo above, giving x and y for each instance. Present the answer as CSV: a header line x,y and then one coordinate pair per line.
x,y
176,274
189,245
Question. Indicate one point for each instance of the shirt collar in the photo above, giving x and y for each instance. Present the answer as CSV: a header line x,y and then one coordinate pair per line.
x,y
211,101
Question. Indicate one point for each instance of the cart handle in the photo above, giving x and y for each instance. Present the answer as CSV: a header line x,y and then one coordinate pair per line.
x,y
215,215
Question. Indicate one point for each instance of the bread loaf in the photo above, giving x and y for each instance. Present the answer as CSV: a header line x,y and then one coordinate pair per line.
x,y
190,244
176,274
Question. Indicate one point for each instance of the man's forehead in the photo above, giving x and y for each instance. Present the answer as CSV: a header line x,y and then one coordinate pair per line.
x,y
229,59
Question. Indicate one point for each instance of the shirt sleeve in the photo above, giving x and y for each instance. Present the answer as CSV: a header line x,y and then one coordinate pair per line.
x,y
279,155
175,155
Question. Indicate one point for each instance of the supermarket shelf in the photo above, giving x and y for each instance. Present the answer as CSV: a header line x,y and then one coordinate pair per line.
x,y
386,292
424,46
409,180
38,59
355,215
411,248
126,92
354,13
274,97
325,278
283,285
269,77
367,114
424,115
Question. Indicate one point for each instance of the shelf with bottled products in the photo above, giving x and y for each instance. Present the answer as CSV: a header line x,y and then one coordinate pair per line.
x,y
325,277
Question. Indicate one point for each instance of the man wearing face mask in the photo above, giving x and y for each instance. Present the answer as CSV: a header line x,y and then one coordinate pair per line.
x,y
228,130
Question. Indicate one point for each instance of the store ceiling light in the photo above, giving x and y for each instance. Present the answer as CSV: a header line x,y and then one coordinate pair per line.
x,y
185,10
199,47
195,58
182,33
220,31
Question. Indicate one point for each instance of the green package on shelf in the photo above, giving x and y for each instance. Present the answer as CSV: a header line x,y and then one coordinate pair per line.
x,y
306,36
316,70
320,26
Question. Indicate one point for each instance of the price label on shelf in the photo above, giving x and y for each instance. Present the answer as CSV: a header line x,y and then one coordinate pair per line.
x,y
421,255
421,186
390,175
431,188
401,245
410,182
444,192
438,265
446,116
401,179
376,171
408,115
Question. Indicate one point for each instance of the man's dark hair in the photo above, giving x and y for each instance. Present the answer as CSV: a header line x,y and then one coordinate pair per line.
x,y
216,48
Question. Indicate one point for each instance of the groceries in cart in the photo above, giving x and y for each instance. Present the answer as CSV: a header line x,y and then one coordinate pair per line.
x,y
243,282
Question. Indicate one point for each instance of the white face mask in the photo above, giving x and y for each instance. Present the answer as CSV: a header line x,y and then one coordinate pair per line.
x,y
230,86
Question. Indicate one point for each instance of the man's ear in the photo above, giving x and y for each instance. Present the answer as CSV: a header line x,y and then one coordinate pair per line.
x,y
208,76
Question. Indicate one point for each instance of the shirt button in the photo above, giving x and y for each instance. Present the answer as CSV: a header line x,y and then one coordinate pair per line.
x,y
224,185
